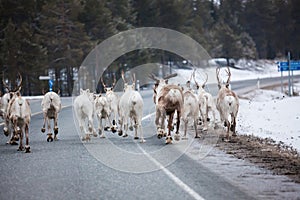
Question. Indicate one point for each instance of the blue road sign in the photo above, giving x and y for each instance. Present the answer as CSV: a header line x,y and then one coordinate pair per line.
x,y
284,66
50,85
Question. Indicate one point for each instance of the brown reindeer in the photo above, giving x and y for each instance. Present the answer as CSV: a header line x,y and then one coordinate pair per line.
x,y
168,100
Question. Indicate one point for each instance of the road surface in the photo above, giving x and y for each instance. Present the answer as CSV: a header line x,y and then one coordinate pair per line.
x,y
121,168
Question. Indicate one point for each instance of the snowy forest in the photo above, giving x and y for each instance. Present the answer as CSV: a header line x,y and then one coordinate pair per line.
x,y
41,35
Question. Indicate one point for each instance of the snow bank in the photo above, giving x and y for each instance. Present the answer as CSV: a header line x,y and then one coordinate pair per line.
x,y
266,113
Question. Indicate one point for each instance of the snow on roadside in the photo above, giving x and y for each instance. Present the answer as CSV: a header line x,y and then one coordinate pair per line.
x,y
270,114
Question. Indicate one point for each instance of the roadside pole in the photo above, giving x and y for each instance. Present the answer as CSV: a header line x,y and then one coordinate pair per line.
x,y
289,66
289,69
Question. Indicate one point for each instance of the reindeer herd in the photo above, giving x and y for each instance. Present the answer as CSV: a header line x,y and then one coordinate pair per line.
x,y
123,113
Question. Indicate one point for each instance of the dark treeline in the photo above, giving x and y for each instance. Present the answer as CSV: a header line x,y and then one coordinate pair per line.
x,y
41,35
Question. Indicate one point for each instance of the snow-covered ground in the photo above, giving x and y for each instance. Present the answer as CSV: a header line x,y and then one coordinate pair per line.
x,y
262,113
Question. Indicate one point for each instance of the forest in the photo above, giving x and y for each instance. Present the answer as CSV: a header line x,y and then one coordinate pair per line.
x,y
38,36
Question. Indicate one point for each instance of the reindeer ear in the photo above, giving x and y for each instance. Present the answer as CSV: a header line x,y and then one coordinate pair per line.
x,y
81,91
227,85
88,90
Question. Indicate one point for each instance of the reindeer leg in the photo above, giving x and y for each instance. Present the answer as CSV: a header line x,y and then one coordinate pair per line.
x,y
114,124
6,127
55,129
27,147
135,129
20,132
44,124
170,123
196,130
101,129
49,138
159,124
125,128
232,127
91,126
185,121
177,136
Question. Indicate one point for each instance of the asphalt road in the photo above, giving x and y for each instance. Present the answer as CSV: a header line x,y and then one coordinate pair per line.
x,y
111,168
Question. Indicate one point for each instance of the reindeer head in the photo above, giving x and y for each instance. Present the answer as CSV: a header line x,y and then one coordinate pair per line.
x,y
226,84
203,84
128,87
160,83
109,89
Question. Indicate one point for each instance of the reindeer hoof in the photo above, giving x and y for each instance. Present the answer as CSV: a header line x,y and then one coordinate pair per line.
x,y
197,136
106,128
120,133
159,136
27,149
169,140
232,129
125,135
43,130
113,130
49,138
55,130
177,137
87,137
136,138
102,136
142,141
131,128
55,138
5,133
16,137
13,142
20,148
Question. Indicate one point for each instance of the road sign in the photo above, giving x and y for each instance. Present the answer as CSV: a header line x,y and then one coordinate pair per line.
x,y
44,77
284,66
50,85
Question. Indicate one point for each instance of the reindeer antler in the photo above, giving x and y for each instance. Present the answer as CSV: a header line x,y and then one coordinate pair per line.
x,y
18,87
4,84
133,78
153,77
123,76
229,75
203,85
195,80
217,74
170,76
102,82
114,83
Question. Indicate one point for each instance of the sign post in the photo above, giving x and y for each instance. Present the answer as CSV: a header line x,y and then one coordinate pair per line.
x,y
289,66
50,81
50,85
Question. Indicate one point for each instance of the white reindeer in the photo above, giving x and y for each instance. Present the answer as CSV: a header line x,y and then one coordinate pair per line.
x,y
19,113
84,109
190,110
227,103
102,111
131,110
51,106
6,98
206,103
168,100
113,101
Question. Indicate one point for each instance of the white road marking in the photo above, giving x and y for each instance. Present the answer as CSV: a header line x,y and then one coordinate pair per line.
x,y
172,176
